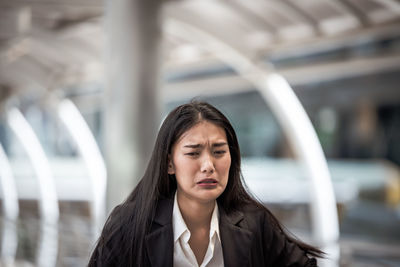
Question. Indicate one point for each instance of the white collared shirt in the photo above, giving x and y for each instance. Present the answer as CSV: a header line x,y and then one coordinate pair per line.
x,y
183,254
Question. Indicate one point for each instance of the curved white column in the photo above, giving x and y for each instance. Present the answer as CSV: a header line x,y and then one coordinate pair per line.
x,y
302,136
294,122
9,241
91,155
48,202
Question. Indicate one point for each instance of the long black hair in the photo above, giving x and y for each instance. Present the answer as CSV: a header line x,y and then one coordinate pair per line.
x,y
129,222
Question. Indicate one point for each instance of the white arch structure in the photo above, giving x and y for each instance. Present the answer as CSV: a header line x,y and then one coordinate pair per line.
x,y
48,201
293,120
80,132
9,241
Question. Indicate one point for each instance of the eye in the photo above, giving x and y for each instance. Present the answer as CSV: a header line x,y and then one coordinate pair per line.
x,y
192,154
219,152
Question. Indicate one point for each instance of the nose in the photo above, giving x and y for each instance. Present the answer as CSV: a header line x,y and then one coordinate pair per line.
x,y
207,164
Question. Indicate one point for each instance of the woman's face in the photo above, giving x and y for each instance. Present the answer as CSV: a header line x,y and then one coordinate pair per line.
x,y
200,160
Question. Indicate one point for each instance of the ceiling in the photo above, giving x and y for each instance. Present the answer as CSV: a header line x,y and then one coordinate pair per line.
x,y
51,44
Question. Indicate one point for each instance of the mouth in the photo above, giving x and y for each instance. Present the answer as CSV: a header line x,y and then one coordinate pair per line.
x,y
208,182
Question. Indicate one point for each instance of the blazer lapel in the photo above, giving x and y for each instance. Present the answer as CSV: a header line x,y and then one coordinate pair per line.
x,y
235,239
159,242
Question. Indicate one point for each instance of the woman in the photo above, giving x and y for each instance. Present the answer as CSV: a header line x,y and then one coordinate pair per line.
x,y
191,208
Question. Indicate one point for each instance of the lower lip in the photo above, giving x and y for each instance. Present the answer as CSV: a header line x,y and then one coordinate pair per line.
x,y
207,185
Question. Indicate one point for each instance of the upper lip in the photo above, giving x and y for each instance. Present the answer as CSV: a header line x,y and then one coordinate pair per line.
x,y
207,180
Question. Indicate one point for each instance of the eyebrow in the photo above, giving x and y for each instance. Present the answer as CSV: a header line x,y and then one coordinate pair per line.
x,y
219,144
200,145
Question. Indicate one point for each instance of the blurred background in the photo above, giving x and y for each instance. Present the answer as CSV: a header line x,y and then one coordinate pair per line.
x,y
85,84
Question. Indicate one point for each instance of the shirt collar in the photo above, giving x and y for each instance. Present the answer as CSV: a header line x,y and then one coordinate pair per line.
x,y
180,227
178,223
214,225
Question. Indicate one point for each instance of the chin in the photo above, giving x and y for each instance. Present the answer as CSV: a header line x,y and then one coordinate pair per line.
x,y
210,196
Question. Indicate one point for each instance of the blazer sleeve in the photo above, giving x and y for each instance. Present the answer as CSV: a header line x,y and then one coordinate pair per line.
x,y
280,251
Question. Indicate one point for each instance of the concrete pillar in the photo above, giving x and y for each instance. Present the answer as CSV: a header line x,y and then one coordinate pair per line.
x,y
132,100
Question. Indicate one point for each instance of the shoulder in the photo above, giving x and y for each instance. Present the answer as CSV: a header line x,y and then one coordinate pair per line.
x,y
254,214
283,249
262,224
250,217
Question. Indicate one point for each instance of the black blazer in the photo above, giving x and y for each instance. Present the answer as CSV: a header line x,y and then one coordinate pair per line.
x,y
246,236
247,240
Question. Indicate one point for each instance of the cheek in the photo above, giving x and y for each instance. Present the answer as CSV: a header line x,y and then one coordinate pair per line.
x,y
184,164
225,165
185,169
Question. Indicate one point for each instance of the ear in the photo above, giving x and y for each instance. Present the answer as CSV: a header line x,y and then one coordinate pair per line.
x,y
171,169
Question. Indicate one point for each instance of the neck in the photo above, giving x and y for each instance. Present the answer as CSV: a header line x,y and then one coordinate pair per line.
x,y
194,213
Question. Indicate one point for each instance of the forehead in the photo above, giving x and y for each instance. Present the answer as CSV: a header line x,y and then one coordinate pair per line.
x,y
203,132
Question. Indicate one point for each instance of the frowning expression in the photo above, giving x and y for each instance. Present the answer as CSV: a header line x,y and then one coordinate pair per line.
x,y
201,160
